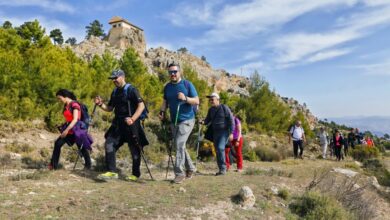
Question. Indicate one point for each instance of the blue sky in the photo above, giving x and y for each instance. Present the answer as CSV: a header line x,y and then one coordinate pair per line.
x,y
333,55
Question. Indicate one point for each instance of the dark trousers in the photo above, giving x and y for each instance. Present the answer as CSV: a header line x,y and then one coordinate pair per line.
x,y
296,145
338,152
57,151
112,145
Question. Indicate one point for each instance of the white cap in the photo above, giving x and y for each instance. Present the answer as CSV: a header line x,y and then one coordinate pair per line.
x,y
214,94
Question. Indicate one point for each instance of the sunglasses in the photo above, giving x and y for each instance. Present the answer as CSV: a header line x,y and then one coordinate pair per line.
x,y
172,72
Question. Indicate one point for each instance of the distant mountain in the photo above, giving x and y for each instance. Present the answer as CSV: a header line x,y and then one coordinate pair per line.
x,y
378,125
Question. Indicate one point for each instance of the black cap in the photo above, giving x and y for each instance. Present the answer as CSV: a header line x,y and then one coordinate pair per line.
x,y
116,73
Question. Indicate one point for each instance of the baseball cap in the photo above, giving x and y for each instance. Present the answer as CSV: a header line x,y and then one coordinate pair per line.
x,y
214,94
116,73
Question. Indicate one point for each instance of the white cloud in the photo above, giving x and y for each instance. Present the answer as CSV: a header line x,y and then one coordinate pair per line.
x,y
307,47
379,68
328,55
296,47
245,20
53,5
113,5
248,68
193,14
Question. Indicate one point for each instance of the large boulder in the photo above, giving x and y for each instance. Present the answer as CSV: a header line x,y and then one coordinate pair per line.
x,y
247,199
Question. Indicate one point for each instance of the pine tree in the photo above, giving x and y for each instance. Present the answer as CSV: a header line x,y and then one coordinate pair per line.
x,y
57,37
95,28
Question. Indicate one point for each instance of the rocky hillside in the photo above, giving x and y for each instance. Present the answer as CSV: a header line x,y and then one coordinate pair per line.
x,y
159,58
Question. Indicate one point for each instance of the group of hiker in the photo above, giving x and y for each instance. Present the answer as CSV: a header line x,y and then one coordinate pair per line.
x,y
180,97
339,142
182,100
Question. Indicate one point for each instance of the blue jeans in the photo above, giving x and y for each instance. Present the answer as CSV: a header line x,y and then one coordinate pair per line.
x,y
220,139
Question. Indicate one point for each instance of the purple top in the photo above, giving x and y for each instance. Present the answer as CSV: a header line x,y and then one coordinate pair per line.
x,y
236,132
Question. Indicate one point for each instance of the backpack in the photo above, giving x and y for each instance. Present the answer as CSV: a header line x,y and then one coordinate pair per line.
x,y
145,112
195,108
84,113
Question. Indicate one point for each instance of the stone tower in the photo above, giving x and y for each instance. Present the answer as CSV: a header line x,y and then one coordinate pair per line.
x,y
124,34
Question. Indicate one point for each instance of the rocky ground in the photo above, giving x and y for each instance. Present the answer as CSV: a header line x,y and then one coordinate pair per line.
x,y
30,191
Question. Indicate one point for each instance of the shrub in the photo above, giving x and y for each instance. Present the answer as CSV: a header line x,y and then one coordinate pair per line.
x,y
37,175
375,167
284,194
250,155
100,163
31,163
19,148
313,205
5,159
267,154
363,153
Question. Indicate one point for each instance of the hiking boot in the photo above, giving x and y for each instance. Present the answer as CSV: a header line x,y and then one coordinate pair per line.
x,y
220,173
107,176
131,178
189,174
179,179
50,167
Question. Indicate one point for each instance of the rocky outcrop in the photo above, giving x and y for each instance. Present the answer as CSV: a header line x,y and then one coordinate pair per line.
x,y
295,107
96,46
123,38
160,58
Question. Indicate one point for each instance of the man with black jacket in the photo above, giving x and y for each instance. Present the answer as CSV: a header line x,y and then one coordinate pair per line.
x,y
125,127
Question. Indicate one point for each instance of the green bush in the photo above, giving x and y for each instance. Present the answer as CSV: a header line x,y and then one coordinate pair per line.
x,y
284,194
314,206
363,153
267,154
19,148
376,167
250,154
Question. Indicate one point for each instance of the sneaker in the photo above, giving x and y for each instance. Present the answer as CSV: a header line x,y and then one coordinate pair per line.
x,y
179,179
189,174
239,170
108,176
131,178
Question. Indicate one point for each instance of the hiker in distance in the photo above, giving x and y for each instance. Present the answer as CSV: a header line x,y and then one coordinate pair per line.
x,y
123,128
236,143
72,131
323,138
179,96
297,134
338,141
221,122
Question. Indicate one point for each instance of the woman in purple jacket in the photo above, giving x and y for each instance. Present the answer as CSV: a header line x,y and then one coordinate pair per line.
x,y
72,131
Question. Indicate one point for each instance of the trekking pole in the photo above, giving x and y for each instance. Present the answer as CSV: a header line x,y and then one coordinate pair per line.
x,y
135,138
79,154
173,141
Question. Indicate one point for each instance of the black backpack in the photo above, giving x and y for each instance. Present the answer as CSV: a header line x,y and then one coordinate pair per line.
x,y
126,89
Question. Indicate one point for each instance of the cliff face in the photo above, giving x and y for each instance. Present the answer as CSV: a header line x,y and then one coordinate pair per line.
x,y
160,58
